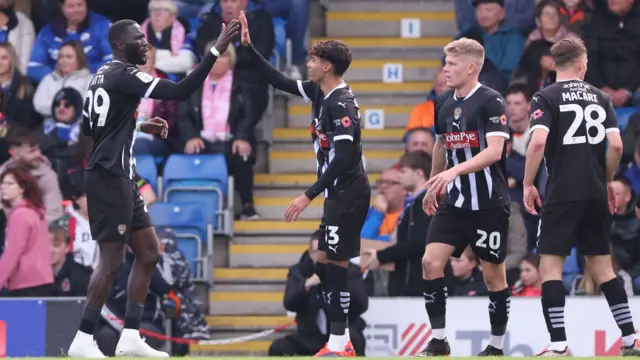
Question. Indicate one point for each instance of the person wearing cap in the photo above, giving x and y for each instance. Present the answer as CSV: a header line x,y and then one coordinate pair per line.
x,y
519,14
503,43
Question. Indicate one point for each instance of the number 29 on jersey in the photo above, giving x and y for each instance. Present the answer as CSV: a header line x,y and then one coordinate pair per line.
x,y
98,105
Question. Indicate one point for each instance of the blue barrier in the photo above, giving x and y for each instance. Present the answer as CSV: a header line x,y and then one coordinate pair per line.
x,y
24,325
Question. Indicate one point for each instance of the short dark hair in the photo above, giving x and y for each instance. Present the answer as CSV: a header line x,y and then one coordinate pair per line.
x,y
334,51
417,160
543,4
118,29
20,136
533,259
566,51
624,180
518,88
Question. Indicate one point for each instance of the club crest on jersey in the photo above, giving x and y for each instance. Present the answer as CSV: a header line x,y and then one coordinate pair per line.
x,y
457,113
536,114
122,228
144,77
323,140
503,119
461,140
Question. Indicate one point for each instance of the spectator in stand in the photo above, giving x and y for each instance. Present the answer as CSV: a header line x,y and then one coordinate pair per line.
x,y
625,236
71,278
574,15
17,29
530,283
633,172
490,75
245,74
388,204
72,71
192,8
76,23
586,284
519,14
422,115
304,296
25,151
408,248
217,119
85,250
467,277
420,139
25,265
536,68
149,108
518,100
613,43
630,137
168,35
17,104
548,24
502,42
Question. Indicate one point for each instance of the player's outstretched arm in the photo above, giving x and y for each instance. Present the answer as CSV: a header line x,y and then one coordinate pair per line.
x,y
163,89
273,76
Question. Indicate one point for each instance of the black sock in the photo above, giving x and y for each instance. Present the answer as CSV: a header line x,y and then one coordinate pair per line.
x,y
619,305
321,271
435,301
90,317
553,299
132,315
337,298
499,303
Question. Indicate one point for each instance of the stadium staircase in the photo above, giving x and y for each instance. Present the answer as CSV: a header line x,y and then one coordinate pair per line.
x,y
250,270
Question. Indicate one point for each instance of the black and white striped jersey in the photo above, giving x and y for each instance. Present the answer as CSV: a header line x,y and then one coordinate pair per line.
x,y
464,125
577,117
109,113
336,118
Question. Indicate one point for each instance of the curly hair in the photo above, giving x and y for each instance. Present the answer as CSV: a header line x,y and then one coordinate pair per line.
x,y
334,51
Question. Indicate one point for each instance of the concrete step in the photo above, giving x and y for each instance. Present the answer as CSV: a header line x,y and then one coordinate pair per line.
x,y
387,47
266,255
390,6
413,87
275,227
250,275
274,208
271,239
284,135
305,161
247,348
305,146
246,303
247,287
293,181
360,23
247,322
374,69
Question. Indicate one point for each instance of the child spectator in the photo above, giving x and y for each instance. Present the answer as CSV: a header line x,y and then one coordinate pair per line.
x,y
25,265
71,72
530,283
17,29
548,24
467,277
71,278
17,104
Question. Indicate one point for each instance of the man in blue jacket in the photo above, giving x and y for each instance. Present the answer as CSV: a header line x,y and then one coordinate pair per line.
x,y
76,23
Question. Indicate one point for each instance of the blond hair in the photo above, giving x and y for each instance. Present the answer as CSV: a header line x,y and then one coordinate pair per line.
x,y
169,5
465,46
231,52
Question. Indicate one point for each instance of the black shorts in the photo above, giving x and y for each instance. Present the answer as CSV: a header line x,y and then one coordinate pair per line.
x,y
116,208
564,225
341,225
484,230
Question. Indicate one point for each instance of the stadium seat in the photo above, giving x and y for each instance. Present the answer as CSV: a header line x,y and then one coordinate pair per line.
x,y
194,23
202,179
280,31
623,115
147,169
188,223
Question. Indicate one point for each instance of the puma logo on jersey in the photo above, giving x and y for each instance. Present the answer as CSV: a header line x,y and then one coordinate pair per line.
x,y
535,98
501,101
456,125
495,253
343,105
431,298
334,249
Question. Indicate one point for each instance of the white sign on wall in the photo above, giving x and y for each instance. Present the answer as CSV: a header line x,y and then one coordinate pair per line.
x,y
374,119
410,28
392,73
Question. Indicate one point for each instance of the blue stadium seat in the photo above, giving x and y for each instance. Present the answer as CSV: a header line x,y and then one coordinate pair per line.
x,y
202,179
146,167
280,30
188,223
623,116
194,23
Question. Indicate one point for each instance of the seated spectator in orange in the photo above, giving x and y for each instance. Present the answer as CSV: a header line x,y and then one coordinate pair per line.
x,y
25,265
25,151
530,283
420,139
72,70
422,115
548,24
388,204
614,51
536,68
71,278
17,104
467,277
574,15
17,29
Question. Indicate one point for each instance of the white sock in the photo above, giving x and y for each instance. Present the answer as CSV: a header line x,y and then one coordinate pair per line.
x,y
336,343
347,337
628,340
497,341
130,333
558,346
439,334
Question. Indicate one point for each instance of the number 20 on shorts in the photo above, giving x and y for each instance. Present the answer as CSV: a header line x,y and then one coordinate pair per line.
x,y
494,240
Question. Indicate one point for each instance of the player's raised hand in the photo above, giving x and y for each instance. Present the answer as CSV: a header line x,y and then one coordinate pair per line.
x,y
244,31
438,182
295,208
227,34
531,199
155,126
